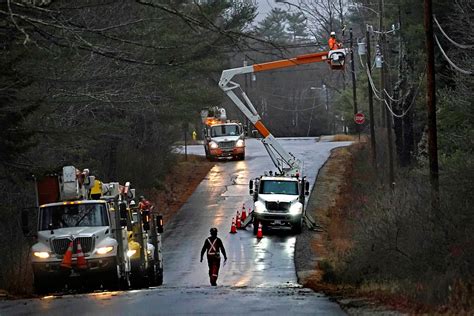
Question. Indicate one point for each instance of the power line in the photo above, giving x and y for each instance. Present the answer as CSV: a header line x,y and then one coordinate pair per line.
x,y
449,39
466,72
388,106
295,110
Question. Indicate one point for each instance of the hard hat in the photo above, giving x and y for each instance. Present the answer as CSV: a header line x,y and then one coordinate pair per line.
x,y
333,33
213,230
132,203
142,197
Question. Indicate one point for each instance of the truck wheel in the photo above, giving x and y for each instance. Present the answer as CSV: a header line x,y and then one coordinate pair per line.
x,y
155,275
242,157
159,280
116,282
255,226
296,227
125,282
138,280
41,286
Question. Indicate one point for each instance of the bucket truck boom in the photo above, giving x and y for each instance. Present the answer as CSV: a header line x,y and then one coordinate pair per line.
x,y
285,162
279,199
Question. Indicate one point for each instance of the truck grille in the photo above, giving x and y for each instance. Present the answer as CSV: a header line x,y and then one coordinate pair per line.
x,y
227,145
278,206
60,244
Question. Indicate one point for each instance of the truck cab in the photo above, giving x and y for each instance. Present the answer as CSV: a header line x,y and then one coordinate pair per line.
x,y
88,222
222,138
225,140
279,201
76,210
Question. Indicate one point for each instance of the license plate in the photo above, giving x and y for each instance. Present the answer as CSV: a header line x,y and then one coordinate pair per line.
x,y
277,222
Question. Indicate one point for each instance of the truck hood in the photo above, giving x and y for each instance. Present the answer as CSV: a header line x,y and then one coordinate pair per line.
x,y
226,138
74,231
278,198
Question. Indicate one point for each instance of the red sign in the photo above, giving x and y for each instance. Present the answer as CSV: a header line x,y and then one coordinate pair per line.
x,y
359,118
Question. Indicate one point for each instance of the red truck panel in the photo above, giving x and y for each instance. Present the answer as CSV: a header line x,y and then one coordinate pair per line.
x,y
48,190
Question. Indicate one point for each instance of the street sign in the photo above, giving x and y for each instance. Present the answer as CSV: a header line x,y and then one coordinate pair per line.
x,y
359,118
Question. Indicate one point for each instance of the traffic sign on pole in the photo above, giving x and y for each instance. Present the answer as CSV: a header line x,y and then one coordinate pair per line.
x,y
359,118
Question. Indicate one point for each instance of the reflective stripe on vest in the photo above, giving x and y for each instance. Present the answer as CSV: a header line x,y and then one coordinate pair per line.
x,y
212,250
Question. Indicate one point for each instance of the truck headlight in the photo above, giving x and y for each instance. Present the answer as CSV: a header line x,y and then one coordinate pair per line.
x,y
41,254
104,250
259,207
131,252
213,145
240,143
296,209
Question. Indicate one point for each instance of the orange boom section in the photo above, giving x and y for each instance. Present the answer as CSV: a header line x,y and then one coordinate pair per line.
x,y
298,60
262,129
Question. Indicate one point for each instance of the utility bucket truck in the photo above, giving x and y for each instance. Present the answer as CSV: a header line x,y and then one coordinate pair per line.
x,y
222,137
279,198
83,233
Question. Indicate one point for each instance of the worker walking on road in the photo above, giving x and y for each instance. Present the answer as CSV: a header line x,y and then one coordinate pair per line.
x,y
213,246
333,43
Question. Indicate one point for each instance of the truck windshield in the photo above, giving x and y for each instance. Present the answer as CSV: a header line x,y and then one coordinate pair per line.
x,y
73,215
225,130
278,187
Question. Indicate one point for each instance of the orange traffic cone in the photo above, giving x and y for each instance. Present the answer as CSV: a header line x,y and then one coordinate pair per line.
x,y
238,222
81,260
67,259
233,230
244,215
259,231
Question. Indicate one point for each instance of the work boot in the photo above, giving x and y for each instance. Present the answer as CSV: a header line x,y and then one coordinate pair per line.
x,y
213,281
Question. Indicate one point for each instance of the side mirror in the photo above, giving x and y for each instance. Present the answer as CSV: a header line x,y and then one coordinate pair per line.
x,y
254,133
123,214
306,188
251,187
159,223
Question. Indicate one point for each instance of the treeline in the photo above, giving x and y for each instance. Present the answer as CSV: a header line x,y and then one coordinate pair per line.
x,y
401,236
104,85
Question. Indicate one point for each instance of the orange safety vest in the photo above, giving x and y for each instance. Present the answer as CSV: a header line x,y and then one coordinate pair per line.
x,y
144,205
333,44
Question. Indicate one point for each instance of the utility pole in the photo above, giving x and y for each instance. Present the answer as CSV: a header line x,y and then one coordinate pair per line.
x,y
431,104
371,103
185,128
354,88
382,72
385,112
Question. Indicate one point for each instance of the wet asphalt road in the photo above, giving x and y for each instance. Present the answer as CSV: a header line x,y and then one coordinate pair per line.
x,y
259,277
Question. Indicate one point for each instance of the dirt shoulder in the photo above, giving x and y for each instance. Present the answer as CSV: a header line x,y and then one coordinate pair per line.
x,y
310,251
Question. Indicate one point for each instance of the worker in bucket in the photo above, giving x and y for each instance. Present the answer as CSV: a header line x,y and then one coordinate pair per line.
x,y
213,246
333,43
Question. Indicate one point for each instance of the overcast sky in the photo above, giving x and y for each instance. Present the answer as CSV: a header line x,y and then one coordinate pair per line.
x,y
265,6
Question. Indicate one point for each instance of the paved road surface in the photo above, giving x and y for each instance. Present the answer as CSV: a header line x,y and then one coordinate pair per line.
x,y
259,277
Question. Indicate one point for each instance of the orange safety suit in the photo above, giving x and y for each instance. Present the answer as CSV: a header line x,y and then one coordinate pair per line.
x,y
333,44
144,205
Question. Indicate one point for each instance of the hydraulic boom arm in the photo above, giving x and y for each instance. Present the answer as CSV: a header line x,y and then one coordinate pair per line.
x,y
283,160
